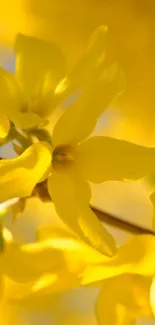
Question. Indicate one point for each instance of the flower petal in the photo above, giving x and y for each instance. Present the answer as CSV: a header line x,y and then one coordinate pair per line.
x,y
103,158
78,122
137,256
26,120
71,196
24,263
55,283
18,176
77,254
114,310
34,58
85,69
4,125
73,251
9,95
12,103
45,289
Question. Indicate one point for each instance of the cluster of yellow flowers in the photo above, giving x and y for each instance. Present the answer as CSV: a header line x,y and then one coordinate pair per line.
x,y
61,158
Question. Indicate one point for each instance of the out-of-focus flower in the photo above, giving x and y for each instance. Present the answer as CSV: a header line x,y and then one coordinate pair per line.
x,y
31,95
56,262
132,294
50,266
27,97
53,264
46,291
28,262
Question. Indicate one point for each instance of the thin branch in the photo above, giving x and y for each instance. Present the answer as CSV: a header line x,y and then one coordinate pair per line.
x,y
118,223
106,217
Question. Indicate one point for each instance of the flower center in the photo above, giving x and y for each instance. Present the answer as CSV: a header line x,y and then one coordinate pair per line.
x,y
62,156
34,105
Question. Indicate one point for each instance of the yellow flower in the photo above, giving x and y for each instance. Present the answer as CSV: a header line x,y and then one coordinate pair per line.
x,y
28,96
77,160
57,260
131,291
31,95
132,294
26,269
73,256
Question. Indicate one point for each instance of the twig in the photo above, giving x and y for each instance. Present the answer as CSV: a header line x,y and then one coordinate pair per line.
x,y
118,223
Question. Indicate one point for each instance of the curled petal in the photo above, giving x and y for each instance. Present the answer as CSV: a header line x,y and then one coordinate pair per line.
x,y
19,176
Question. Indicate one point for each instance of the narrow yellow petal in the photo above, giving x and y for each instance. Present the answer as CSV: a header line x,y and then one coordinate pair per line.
x,y
4,125
77,254
84,70
102,158
137,256
55,283
71,196
79,121
18,176
34,58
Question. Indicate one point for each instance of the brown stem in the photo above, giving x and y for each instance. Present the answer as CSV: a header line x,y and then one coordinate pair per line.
x,y
118,223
